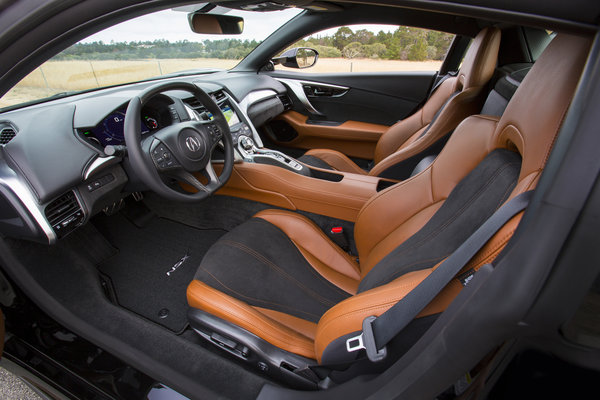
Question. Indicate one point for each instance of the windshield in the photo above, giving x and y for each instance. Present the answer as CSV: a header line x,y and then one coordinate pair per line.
x,y
146,47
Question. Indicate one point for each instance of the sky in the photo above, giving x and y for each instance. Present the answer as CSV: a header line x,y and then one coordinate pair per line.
x,y
173,26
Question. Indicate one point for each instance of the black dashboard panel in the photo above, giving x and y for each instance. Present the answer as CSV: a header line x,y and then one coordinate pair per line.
x,y
240,84
47,153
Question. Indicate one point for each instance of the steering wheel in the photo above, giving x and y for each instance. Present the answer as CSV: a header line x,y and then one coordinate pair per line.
x,y
178,150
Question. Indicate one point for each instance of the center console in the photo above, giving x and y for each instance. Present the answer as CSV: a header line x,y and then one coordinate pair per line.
x,y
272,177
251,153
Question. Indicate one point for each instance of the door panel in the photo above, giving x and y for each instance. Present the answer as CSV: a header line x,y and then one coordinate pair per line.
x,y
353,138
332,104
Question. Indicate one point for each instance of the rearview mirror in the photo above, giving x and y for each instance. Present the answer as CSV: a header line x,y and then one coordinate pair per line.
x,y
214,24
298,57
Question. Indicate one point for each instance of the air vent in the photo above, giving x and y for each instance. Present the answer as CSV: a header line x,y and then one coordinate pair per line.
x,y
6,135
219,96
195,104
64,214
286,101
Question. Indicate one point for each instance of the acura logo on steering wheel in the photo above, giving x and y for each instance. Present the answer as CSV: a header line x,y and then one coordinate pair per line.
x,y
192,143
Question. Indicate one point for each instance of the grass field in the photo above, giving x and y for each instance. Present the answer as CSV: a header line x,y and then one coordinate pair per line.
x,y
60,76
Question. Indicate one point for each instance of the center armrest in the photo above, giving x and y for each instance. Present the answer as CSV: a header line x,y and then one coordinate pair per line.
x,y
280,187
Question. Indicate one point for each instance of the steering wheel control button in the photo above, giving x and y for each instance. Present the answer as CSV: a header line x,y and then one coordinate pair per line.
x,y
162,157
174,114
215,133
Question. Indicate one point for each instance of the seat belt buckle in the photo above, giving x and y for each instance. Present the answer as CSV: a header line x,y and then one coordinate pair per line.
x,y
339,237
366,341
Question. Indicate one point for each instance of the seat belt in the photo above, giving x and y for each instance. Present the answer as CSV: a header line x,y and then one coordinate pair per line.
x,y
449,74
377,332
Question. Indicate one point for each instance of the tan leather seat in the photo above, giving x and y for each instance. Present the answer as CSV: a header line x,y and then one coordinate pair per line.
x,y
454,100
279,277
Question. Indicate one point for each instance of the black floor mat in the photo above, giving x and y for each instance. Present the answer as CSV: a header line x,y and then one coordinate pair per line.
x,y
154,265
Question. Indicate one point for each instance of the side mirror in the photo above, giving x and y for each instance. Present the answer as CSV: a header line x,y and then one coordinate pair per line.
x,y
214,24
298,57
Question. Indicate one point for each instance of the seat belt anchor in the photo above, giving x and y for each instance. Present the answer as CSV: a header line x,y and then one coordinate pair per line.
x,y
366,340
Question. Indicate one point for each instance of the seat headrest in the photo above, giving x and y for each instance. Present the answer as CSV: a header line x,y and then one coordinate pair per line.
x,y
480,61
535,113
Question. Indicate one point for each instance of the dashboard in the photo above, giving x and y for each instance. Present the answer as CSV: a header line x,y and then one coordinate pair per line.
x,y
54,174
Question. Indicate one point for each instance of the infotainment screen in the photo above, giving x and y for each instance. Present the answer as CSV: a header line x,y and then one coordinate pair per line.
x,y
230,115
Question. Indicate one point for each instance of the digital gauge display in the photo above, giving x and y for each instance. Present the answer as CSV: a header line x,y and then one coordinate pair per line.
x,y
110,130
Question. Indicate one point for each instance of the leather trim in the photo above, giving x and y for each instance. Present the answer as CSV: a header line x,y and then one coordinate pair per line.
x,y
303,327
356,139
288,335
466,103
282,188
323,255
278,186
480,61
336,160
532,121
347,316
409,127
381,227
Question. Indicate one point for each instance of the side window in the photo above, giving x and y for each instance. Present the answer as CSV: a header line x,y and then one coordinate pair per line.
x,y
375,48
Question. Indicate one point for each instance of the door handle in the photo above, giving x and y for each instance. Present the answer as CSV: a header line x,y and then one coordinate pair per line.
x,y
324,91
299,89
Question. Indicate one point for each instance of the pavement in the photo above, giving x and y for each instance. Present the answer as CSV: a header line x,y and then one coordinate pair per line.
x,y
13,388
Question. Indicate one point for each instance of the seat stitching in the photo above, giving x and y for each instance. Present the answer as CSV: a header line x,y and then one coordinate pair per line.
x,y
398,274
315,272
276,268
448,222
459,212
310,223
311,269
480,258
255,299
265,321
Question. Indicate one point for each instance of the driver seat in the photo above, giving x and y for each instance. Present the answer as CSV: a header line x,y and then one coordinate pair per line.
x,y
280,278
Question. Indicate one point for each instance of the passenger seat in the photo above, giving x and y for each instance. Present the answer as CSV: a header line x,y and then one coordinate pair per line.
x,y
455,99
494,105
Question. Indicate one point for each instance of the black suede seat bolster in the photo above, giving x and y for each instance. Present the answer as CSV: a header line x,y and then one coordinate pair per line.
x,y
257,263
468,206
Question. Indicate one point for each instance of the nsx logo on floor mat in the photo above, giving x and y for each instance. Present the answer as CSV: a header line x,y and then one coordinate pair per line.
x,y
178,264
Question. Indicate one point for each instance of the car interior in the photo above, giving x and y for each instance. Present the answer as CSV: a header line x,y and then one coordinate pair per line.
x,y
248,242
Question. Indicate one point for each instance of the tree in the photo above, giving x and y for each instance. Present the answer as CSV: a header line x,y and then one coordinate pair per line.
x,y
363,36
342,37
353,50
375,50
328,51
418,51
